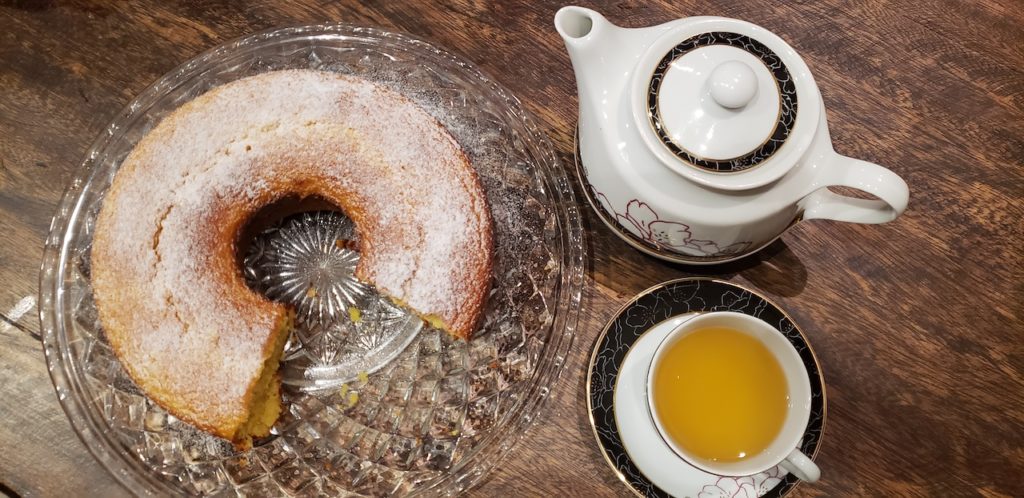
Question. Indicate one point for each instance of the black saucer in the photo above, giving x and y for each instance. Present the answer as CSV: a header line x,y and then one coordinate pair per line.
x,y
660,303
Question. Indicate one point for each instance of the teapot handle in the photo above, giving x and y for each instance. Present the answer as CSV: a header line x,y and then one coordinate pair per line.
x,y
888,187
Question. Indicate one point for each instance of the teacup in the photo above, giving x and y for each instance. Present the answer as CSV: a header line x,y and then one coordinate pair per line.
x,y
775,396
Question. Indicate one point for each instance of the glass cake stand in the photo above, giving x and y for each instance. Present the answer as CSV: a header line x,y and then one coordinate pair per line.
x,y
376,402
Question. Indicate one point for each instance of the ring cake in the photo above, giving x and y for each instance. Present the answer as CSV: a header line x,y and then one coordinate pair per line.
x,y
165,266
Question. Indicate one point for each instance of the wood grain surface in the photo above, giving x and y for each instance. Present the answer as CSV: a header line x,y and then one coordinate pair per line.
x,y
917,323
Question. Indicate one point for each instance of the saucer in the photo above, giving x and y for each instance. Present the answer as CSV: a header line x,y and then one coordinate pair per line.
x,y
616,386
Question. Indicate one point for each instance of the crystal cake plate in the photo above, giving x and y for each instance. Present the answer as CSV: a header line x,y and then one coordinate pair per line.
x,y
376,402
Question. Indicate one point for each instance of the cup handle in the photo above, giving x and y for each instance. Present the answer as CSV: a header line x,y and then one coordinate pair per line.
x,y
802,467
891,190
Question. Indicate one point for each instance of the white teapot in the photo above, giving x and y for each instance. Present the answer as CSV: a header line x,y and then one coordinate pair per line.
x,y
703,139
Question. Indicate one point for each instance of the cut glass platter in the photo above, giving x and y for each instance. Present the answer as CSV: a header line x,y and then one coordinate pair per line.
x,y
376,402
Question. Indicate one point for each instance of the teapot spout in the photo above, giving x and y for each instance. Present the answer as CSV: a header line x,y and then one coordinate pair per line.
x,y
600,53
603,55
584,32
579,26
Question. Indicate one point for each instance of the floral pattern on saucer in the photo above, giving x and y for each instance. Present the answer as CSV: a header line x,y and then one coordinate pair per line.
x,y
654,306
744,487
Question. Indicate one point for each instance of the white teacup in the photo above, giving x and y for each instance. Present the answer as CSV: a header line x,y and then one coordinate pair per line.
x,y
783,449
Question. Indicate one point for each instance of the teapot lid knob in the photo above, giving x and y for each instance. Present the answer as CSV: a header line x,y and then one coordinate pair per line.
x,y
733,84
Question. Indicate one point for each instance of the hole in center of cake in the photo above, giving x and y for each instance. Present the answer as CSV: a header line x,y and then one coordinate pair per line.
x,y
303,253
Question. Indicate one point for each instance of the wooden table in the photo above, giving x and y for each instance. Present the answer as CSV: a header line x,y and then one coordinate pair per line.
x,y
917,323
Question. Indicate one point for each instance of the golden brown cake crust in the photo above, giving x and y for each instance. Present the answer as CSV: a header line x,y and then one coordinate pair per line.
x,y
170,294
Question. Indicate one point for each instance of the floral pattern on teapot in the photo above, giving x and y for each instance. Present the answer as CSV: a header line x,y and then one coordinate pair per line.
x,y
640,219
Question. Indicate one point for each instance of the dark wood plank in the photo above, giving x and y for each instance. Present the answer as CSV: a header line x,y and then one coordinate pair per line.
x,y
917,323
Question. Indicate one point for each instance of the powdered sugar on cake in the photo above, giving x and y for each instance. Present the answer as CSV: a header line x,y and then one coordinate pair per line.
x,y
402,178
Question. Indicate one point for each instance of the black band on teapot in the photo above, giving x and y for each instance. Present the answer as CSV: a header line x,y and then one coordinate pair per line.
x,y
786,94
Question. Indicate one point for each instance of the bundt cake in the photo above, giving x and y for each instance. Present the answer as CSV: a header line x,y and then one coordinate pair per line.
x,y
165,266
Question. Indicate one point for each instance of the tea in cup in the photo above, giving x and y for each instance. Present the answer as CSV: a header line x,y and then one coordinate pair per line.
x,y
730,395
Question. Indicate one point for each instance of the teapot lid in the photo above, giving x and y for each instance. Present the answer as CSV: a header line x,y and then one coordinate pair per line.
x,y
725,102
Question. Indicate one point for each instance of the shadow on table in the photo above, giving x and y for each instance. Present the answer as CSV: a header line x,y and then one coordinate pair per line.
x,y
774,270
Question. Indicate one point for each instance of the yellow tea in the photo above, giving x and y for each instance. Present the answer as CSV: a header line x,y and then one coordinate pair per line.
x,y
720,394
